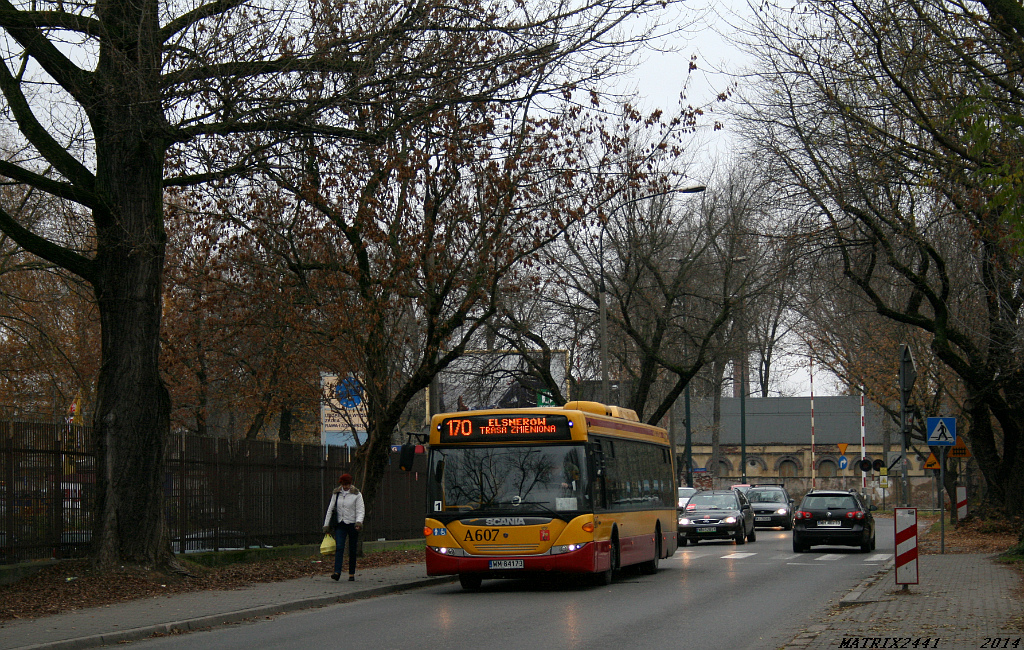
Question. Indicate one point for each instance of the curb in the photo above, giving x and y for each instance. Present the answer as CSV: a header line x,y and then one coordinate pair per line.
x,y
203,622
853,597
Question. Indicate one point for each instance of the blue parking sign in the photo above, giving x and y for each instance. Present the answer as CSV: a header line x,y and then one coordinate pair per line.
x,y
942,431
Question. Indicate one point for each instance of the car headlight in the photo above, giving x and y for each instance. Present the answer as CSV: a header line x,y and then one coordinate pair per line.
x,y
730,520
683,521
782,511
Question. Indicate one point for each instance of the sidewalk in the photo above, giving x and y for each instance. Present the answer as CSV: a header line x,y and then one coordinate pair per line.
x,y
961,601
139,619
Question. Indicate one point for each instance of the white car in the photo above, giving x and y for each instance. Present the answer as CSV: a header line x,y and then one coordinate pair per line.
x,y
684,494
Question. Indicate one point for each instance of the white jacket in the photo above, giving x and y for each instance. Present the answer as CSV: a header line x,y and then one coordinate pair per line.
x,y
349,506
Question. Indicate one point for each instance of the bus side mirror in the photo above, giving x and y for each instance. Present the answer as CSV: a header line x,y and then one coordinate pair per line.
x,y
406,457
439,472
595,450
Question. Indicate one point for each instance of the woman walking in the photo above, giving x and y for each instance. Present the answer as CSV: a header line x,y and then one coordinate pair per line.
x,y
345,519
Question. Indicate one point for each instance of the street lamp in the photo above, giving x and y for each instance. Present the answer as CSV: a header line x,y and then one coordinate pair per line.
x,y
742,377
602,301
689,433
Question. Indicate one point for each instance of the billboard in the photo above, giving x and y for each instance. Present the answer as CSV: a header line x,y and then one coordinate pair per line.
x,y
342,411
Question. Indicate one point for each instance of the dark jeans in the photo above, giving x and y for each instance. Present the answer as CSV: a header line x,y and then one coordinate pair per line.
x,y
341,532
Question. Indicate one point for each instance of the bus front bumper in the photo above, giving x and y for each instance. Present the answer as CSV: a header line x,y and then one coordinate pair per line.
x,y
591,558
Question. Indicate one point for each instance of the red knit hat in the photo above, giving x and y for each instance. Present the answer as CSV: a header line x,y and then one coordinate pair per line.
x,y
345,478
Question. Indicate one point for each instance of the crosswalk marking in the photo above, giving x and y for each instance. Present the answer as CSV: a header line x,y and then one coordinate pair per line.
x,y
695,553
736,556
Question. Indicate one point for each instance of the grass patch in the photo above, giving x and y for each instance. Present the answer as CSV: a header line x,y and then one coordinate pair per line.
x,y
1014,555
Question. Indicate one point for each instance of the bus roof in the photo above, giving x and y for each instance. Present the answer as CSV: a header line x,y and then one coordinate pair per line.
x,y
574,421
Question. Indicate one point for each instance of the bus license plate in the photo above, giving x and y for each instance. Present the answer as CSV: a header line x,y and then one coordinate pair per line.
x,y
830,522
711,529
505,564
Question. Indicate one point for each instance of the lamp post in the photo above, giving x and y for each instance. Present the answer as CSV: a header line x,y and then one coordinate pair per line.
x,y
689,433
602,301
743,432
741,377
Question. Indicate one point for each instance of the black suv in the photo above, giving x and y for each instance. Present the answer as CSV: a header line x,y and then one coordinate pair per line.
x,y
834,518
772,506
717,514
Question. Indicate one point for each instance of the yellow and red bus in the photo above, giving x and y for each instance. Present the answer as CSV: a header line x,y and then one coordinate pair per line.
x,y
580,489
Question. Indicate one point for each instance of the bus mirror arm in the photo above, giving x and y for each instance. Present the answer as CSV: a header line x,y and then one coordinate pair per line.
x,y
595,450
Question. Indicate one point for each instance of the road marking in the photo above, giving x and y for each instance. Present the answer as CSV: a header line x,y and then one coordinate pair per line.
x,y
736,556
800,564
829,557
881,557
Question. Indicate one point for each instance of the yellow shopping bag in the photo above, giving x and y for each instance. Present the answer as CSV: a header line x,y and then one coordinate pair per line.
x,y
328,546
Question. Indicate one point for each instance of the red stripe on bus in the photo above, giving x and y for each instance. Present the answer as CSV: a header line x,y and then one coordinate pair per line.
x,y
627,427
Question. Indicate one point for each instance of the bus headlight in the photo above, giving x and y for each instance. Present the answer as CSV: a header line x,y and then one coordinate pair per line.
x,y
567,548
451,552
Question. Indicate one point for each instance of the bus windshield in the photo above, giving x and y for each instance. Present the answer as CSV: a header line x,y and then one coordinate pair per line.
x,y
519,478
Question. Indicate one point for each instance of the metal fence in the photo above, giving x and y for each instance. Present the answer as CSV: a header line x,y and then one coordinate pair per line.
x,y
218,493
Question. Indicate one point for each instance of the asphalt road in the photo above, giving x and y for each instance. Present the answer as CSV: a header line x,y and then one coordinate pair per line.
x,y
713,595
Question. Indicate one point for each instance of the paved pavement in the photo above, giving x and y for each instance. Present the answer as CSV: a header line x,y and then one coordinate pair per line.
x,y
139,619
960,601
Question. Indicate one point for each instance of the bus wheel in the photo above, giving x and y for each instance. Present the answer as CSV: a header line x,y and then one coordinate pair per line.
x,y
650,567
470,581
604,578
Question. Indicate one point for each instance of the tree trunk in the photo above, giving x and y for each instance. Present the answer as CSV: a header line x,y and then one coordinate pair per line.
x,y
284,430
132,417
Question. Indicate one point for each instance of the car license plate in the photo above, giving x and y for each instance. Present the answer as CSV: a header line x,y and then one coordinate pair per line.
x,y
830,522
762,518
506,564
709,529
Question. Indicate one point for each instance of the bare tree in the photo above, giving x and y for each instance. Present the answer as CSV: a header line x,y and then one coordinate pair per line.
x,y
872,109
102,94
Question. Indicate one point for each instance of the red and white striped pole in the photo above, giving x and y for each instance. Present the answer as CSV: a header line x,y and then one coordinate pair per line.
x,y
863,445
813,481
906,546
961,502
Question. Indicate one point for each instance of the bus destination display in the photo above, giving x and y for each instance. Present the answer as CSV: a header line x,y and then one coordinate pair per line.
x,y
474,428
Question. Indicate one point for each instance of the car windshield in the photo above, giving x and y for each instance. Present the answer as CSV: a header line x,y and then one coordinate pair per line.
x,y
830,502
712,501
765,496
520,478
686,492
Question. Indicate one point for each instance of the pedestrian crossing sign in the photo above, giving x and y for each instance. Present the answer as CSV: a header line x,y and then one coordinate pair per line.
x,y
942,431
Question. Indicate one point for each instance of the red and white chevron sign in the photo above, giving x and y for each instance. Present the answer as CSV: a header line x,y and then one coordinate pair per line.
x,y
961,502
906,546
